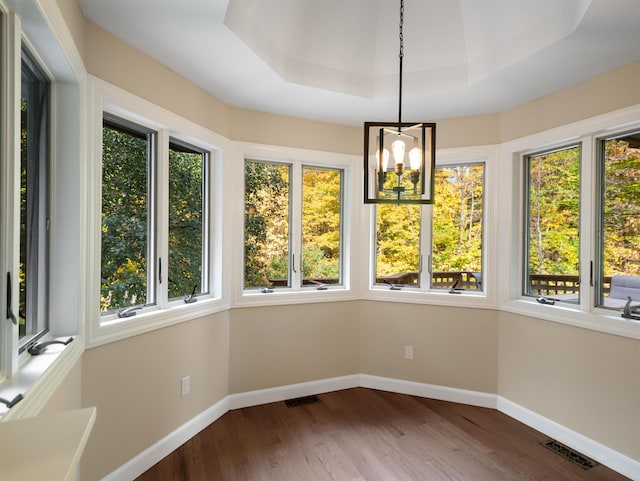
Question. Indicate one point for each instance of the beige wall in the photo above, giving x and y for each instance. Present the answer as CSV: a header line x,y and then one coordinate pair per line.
x,y
453,346
68,395
276,346
75,21
612,91
135,384
116,62
584,380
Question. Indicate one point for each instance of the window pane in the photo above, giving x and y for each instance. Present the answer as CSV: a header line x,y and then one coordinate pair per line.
x,y
186,221
125,216
321,226
457,227
266,224
34,179
398,244
553,224
620,220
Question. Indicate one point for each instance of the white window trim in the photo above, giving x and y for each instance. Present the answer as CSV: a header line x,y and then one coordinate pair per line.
x,y
511,183
351,196
102,329
487,299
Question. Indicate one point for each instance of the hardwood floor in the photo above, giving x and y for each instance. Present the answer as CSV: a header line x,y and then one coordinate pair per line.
x,y
367,435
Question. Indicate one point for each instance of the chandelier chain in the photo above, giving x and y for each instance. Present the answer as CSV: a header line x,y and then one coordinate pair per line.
x,y
400,59
401,26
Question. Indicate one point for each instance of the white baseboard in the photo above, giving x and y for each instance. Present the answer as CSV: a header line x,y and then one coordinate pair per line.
x,y
153,454
432,391
280,393
601,453
587,446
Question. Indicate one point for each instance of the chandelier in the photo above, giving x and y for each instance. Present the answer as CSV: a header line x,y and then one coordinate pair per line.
x,y
399,157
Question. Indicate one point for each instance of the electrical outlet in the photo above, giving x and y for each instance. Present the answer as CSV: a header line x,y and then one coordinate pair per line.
x,y
408,352
185,385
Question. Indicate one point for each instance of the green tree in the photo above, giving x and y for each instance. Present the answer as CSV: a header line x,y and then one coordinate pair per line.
x,y
321,216
457,218
554,212
621,219
124,219
186,170
397,239
266,240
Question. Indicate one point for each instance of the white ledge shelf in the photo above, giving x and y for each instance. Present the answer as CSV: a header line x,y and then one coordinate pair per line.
x,y
45,447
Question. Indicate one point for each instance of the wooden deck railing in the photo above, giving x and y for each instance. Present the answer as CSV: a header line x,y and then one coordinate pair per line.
x,y
542,284
470,281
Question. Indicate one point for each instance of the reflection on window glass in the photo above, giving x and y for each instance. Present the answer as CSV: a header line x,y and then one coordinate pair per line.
x,y
34,188
266,224
398,244
321,225
186,221
457,227
553,224
620,243
125,216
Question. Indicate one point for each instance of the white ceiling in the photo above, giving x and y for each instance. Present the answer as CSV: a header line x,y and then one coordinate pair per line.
x,y
337,60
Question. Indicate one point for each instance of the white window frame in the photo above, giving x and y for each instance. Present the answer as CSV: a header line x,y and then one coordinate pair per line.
x,y
586,132
526,242
297,159
168,126
205,286
485,299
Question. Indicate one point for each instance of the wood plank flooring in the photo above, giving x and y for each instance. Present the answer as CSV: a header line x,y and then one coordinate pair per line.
x,y
368,435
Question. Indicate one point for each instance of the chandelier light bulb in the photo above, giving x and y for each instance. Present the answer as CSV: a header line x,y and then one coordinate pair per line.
x,y
415,158
383,162
398,148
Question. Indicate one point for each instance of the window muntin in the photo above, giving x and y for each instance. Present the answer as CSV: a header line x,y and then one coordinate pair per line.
x,y
321,226
188,221
127,241
552,224
34,202
457,228
398,244
619,241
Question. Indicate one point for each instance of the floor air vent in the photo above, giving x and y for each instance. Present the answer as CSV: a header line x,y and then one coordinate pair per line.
x,y
300,401
573,456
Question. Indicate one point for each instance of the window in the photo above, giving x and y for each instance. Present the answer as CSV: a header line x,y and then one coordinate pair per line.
x,y
266,224
127,216
321,226
552,220
155,220
188,255
34,203
458,216
41,212
454,226
398,244
293,233
619,240
579,233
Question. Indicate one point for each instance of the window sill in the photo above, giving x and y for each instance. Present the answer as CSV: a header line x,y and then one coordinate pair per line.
x,y
281,296
467,299
37,378
106,330
597,320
